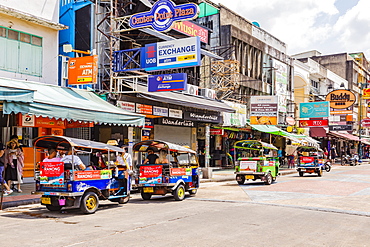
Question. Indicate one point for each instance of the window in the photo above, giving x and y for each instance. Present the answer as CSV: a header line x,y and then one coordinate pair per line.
x,y
22,52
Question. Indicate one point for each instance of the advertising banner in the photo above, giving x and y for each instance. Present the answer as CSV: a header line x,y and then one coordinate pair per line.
x,y
307,160
52,173
160,111
144,109
175,113
168,82
239,118
202,117
128,106
178,53
83,70
313,123
263,110
92,175
180,171
191,29
281,84
366,93
163,14
217,132
150,174
314,109
341,99
365,122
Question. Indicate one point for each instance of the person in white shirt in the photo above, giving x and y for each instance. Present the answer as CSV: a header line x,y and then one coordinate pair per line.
x,y
125,159
77,162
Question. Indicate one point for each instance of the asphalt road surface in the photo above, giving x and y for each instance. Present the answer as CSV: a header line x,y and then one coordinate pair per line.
x,y
333,210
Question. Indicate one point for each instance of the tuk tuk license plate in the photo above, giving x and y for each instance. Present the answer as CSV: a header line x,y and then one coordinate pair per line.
x,y
148,189
45,200
249,176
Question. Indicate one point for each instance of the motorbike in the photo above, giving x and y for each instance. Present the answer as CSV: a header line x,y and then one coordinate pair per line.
x,y
350,160
327,166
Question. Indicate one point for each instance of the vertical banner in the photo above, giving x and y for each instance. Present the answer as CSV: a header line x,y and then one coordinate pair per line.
x,y
281,84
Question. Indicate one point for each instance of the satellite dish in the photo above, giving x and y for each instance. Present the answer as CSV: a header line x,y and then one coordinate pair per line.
x,y
256,24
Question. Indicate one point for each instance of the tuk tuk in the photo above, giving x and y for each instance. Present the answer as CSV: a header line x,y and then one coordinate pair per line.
x,y
178,175
255,160
64,185
309,160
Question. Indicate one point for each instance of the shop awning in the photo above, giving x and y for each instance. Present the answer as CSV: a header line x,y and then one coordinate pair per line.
x,y
67,103
178,98
317,132
344,136
16,94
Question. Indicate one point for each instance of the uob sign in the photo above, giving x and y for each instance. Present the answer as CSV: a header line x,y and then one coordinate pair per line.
x,y
163,14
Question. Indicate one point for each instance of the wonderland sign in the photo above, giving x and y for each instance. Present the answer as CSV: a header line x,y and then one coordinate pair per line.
x,y
163,14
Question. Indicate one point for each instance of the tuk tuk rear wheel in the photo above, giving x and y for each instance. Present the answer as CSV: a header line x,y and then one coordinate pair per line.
x,y
53,208
268,179
179,193
242,179
146,196
301,174
89,203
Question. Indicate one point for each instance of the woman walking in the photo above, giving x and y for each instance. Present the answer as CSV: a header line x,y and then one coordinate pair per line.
x,y
14,162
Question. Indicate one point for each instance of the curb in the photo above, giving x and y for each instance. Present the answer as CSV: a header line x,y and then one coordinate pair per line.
x,y
20,203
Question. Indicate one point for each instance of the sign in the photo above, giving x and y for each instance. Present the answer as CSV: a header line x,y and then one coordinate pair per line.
x,y
366,93
177,122
49,123
180,172
175,113
341,99
127,106
150,174
202,117
163,14
306,160
313,123
290,121
52,173
145,134
83,70
177,53
92,175
344,112
144,109
169,82
239,118
76,124
191,29
365,122
314,109
281,84
248,166
263,110
149,123
217,131
340,127
28,120
160,111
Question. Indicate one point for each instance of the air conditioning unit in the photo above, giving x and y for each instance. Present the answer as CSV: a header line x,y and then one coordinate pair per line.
x,y
193,90
208,93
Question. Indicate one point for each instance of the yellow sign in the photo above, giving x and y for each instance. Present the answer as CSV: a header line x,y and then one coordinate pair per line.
x,y
366,93
341,99
263,120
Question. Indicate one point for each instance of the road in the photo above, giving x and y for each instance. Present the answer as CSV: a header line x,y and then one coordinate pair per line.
x,y
333,210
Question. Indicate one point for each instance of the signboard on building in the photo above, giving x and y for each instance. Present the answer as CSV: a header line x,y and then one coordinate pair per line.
x,y
341,99
366,93
177,122
313,123
175,113
163,14
83,70
217,132
239,118
263,110
160,111
128,106
171,54
281,84
144,109
340,127
314,109
202,117
28,120
149,123
168,82
191,29
365,122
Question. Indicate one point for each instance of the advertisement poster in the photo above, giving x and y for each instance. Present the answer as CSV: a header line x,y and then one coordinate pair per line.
x,y
83,70
52,173
247,165
281,84
180,171
92,175
167,82
313,123
264,110
150,174
314,109
191,29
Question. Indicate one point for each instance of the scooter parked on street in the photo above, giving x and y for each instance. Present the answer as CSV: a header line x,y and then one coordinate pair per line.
x,y
349,160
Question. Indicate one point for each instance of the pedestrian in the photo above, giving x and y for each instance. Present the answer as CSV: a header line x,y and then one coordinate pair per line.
x,y
14,163
125,159
3,184
333,154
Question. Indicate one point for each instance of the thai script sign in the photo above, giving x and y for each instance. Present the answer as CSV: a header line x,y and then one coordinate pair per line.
x,y
52,173
163,14
171,54
341,99
313,123
83,70
314,109
191,29
169,82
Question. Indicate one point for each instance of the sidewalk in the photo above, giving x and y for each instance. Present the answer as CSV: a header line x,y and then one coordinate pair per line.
x,y
16,199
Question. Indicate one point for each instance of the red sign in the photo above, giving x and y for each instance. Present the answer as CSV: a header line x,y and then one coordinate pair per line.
x,y
313,123
191,29
150,171
144,109
51,169
307,159
83,70
365,122
87,175
178,172
217,131
76,124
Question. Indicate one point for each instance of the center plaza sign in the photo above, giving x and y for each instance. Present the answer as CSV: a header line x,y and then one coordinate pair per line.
x,y
163,14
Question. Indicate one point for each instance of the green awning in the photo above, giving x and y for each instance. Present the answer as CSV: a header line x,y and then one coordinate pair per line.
x,y
15,94
67,103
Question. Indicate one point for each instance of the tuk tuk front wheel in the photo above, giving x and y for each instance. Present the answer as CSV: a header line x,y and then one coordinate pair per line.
x,y
53,208
179,193
319,173
268,179
89,203
146,196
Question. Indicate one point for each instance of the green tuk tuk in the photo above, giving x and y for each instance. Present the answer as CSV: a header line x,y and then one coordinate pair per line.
x,y
255,160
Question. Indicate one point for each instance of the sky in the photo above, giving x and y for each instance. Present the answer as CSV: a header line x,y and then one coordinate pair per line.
x,y
328,26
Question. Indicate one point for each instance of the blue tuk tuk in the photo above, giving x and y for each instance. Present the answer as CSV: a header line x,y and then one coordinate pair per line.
x,y
64,185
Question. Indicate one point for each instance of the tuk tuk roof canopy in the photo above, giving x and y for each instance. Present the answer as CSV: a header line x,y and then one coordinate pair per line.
x,y
157,145
253,144
65,142
52,101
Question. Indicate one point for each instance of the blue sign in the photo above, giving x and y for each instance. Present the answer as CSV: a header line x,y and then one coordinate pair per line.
x,y
314,109
163,14
178,53
169,82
